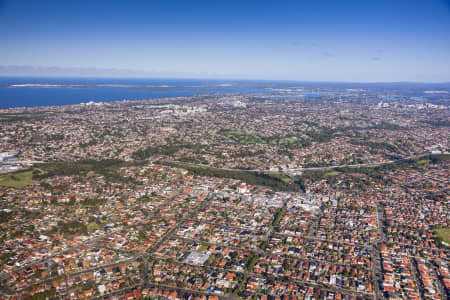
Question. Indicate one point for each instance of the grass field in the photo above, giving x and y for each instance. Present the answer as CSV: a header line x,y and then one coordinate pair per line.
x,y
423,161
17,180
92,226
243,137
443,234
332,173
281,176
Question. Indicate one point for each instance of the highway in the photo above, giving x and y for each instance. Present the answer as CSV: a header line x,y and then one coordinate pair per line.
x,y
300,170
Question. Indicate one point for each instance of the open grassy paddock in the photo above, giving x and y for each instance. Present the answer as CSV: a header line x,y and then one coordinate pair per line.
x,y
443,234
18,179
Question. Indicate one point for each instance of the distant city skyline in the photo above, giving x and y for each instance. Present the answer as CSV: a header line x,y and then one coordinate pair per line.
x,y
359,41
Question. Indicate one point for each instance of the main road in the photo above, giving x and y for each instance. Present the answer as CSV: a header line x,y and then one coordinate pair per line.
x,y
315,169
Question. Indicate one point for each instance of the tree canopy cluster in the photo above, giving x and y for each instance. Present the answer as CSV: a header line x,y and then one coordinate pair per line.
x,y
252,178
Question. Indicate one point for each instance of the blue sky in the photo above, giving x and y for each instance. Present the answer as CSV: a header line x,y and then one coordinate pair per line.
x,y
297,40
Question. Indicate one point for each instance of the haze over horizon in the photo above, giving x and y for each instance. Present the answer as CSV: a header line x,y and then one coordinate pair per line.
x,y
377,41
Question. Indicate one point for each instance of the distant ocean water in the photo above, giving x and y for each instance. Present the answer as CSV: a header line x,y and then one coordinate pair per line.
x,y
28,92
33,91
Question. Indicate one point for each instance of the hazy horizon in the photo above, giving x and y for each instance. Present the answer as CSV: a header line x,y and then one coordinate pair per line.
x,y
98,73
